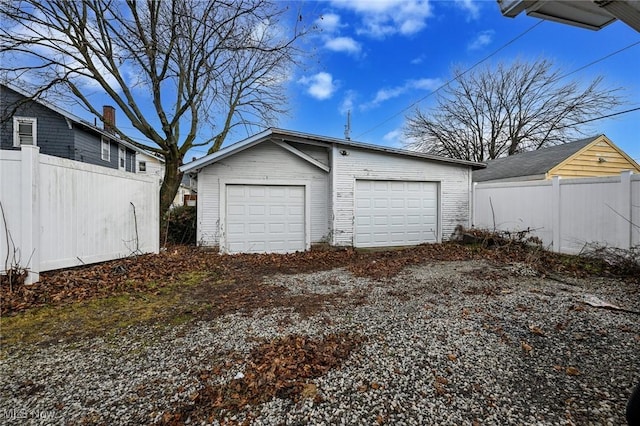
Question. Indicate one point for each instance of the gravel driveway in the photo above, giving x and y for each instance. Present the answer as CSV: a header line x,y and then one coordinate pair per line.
x,y
461,343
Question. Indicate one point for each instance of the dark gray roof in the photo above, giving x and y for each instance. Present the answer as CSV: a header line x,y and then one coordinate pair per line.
x,y
530,163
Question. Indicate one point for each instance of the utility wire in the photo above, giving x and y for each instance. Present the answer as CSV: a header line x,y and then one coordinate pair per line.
x,y
492,54
513,40
600,59
602,117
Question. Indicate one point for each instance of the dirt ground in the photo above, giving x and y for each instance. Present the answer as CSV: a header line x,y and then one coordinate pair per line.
x,y
152,272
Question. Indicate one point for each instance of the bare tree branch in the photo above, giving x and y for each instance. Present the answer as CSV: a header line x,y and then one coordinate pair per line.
x,y
183,72
505,110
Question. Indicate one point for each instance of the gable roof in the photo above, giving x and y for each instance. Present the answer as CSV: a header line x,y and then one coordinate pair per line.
x,y
75,119
531,163
281,135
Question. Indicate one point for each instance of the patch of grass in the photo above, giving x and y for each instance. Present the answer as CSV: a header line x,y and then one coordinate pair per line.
x,y
164,304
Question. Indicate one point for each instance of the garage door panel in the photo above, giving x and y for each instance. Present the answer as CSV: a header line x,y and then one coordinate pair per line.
x,y
256,228
265,218
296,211
278,210
395,213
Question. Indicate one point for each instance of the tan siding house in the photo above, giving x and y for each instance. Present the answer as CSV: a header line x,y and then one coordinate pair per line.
x,y
599,158
591,157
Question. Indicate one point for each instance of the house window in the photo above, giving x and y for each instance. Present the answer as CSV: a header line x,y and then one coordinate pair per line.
x,y
25,131
142,166
106,149
122,156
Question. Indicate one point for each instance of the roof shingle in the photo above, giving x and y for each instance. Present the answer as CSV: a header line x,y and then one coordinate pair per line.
x,y
530,163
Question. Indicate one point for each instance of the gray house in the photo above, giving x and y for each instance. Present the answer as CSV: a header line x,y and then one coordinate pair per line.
x,y
59,133
282,191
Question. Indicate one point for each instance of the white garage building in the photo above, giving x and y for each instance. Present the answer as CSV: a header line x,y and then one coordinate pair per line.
x,y
282,191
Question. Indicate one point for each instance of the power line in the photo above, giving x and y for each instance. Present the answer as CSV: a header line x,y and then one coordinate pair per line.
x,y
600,59
513,40
602,117
493,54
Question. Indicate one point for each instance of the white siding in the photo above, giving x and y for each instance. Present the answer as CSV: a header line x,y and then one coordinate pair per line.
x,y
454,181
155,167
265,162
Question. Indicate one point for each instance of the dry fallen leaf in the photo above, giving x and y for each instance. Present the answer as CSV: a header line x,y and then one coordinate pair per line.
x,y
442,380
439,389
525,346
375,385
452,357
536,330
309,391
572,371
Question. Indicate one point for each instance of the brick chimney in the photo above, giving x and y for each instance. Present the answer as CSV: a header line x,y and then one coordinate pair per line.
x,y
109,118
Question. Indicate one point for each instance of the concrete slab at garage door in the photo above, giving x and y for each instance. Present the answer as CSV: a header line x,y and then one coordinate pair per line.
x,y
395,213
265,219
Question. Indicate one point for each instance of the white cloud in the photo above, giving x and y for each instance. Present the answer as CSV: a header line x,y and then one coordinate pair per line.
x,y
319,86
394,138
348,102
428,84
471,7
381,18
343,44
329,23
418,60
484,38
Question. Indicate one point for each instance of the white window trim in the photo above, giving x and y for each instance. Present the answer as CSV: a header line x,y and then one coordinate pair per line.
x,y
122,158
142,169
107,142
16,128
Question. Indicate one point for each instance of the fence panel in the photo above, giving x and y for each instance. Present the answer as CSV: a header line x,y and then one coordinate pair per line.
x,y
593,212
502,206
10,199
73,213
565,214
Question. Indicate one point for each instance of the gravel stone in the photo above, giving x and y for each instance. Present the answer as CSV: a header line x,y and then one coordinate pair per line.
x,y
459,343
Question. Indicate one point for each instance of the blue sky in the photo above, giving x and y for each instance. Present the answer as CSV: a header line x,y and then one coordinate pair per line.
x,y
379,58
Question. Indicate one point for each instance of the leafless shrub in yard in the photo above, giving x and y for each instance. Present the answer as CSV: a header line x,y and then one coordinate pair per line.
x,y
621,262
496,238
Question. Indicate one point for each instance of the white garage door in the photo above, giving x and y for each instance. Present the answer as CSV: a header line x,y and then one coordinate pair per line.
x,y
395,213
265,219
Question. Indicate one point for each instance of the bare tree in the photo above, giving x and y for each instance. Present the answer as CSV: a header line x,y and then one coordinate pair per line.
x,y
506,110
183,72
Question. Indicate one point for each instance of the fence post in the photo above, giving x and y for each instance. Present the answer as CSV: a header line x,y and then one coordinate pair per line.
x,y
627,207
30,211
473,203
555,213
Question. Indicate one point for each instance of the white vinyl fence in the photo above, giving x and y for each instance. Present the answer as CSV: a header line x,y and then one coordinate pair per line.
x,y
566,214
59,213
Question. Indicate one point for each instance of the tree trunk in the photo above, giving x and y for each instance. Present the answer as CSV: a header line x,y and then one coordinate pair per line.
x,y
170,184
